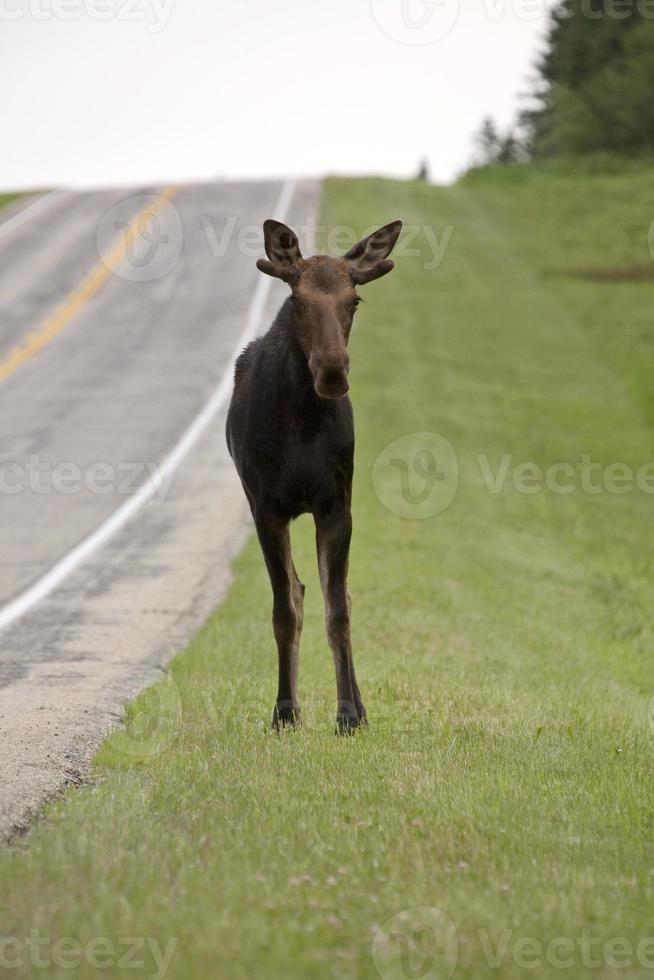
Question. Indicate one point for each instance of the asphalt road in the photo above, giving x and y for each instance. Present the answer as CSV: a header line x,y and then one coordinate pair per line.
x,y
120,313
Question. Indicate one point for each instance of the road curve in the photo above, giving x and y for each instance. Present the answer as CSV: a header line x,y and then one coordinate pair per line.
x,y
120,508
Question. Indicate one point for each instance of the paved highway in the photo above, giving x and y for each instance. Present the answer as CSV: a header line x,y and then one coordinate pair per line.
x,y
120,315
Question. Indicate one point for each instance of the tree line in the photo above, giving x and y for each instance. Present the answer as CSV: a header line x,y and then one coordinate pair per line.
x,y
594,87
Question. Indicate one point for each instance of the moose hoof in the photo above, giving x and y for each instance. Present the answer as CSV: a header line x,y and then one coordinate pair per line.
x,y
285,716
347,724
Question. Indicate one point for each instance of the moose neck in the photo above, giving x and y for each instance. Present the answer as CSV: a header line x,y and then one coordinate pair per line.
x,y
296,366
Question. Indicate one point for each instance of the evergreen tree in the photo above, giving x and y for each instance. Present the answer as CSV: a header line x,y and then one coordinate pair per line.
x,y
488,142
596,81
495,147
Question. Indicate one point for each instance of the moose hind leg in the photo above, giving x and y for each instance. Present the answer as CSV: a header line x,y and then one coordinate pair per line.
x,y
298,600
287,615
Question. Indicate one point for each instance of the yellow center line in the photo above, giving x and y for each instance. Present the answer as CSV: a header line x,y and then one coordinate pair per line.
x,y
89,286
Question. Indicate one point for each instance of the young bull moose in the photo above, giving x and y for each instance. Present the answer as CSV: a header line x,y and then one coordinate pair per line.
x,y
290,432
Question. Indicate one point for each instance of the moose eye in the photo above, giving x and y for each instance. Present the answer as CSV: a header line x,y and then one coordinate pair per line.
x,y
354,306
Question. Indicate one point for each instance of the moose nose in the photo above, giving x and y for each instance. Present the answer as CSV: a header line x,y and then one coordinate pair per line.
x,y
330,376
332,385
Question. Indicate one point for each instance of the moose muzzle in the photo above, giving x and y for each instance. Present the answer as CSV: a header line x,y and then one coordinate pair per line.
x,y
330,374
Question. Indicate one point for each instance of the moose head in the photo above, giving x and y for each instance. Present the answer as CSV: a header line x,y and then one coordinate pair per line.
x,y
324,296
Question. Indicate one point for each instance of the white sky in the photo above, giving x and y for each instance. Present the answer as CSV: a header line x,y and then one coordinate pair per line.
x,y
97,92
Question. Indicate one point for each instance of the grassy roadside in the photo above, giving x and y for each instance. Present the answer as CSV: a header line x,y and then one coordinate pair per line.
x,y
8,198
503,647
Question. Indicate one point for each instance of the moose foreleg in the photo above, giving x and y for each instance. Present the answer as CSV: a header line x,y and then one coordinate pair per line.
x,y
333,535
288,602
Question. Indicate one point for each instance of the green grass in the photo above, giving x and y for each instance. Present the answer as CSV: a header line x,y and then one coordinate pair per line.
x,y
8,198
504,649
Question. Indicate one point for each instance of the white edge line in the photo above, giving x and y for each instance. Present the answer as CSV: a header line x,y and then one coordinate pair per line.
x,y
20,217
22,604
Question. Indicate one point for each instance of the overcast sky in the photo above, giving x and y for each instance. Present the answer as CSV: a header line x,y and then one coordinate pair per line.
x,y
97,92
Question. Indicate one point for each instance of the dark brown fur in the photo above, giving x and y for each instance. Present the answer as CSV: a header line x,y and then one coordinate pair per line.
x,y
290,432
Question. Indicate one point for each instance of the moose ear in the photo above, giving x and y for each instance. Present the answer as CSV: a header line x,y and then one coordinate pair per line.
x,y
282,248
369,259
